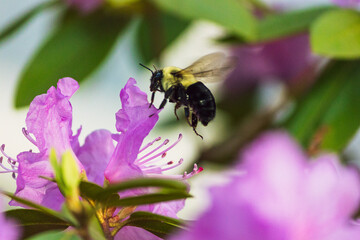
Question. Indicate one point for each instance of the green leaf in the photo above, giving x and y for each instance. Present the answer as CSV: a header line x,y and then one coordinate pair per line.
x,y
143,182
33,221
55,235
20,22
328,116
337,34
230,14
159,225
34,205
281,25
157,31
76,49
169,190
90,190
148,199
289,23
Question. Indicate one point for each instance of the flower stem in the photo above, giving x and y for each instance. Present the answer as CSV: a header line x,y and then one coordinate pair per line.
x,y
104,225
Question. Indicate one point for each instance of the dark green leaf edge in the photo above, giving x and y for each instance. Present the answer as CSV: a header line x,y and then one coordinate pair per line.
x,y
159,225
148,199
141,183
35,206
281,25
24,217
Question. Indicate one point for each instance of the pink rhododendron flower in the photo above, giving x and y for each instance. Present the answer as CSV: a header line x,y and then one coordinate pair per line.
x,y
49,121
282,60
282,195
8,229
102,160
85,6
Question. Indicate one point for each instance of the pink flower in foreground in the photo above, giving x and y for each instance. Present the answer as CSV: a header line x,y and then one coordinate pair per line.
x,y
49,121
282,195
85,6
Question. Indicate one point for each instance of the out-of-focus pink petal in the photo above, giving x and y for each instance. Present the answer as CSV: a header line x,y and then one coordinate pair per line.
x,y
347,3
85,6
282,195
282,60
272,149
327,179
95,154
8,229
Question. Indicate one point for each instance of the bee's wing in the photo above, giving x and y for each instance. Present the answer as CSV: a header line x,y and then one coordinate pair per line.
x,y
210,68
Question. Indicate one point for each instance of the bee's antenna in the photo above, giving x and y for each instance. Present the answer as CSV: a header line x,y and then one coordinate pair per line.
x,y
147,68
155,67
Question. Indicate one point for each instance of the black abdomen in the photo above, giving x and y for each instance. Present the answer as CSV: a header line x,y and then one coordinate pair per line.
x,y
202,102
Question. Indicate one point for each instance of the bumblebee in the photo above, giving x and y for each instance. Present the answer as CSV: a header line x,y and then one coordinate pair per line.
x,y
185,87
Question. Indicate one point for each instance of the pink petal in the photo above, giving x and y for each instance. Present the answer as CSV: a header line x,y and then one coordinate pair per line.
x,y
50,116
282,195
85,6
135,233
95,154
134,123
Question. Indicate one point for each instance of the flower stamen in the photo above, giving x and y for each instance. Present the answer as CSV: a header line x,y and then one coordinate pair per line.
x,y
2,150
195,170
162,153
148,163
149,144
157,148
27,135
7,170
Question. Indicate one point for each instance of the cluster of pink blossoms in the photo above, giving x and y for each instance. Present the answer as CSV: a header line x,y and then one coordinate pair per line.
x,y
49,122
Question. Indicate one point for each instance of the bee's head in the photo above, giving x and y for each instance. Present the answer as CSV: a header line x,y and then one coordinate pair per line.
x,y
155,80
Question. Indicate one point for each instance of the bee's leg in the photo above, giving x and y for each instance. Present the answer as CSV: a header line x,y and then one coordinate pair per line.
x,y
187,115
194,122
163,103
152,99
177,106
168,94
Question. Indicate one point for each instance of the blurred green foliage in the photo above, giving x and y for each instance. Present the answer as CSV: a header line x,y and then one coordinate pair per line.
x,y
337,34
328,115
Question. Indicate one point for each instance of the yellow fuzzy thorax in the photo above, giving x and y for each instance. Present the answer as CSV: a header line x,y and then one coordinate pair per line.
x,y
169,80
